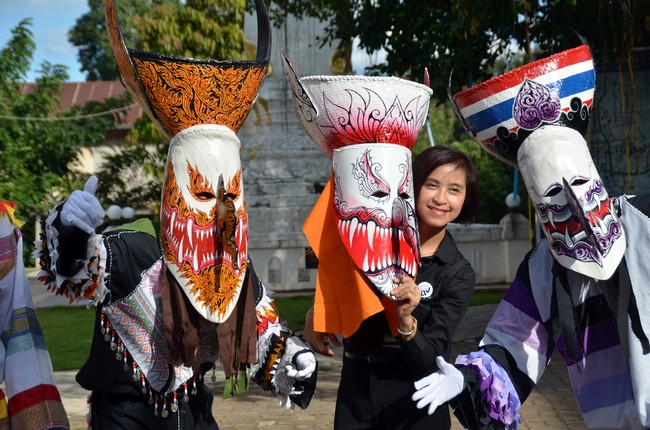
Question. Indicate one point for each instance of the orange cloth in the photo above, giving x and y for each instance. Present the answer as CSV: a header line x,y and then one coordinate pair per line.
x,y
344,296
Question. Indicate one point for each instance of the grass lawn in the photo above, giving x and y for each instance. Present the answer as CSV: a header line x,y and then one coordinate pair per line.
x,y
68,329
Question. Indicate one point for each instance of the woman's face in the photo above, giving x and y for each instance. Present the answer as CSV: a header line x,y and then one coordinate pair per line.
x,y
441,197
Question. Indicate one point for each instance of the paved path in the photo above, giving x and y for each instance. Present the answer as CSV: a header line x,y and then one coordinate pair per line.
x,y
550,406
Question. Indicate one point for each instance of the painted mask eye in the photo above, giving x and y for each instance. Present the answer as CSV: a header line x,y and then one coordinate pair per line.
x,y
204,196
553,191
578,181
200,186
404,195
379,194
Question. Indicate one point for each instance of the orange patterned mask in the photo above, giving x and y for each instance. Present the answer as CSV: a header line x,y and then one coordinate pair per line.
x,y
199,104
203,218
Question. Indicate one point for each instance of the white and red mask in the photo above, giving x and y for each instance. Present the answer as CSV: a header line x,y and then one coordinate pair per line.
x,y
203,218
368,126
574,209
373,202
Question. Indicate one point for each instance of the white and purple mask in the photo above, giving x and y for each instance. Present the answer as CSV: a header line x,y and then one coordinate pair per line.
x,y
580,223
534,118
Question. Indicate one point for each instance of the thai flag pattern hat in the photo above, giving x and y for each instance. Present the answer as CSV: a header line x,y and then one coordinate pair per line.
x,y
502,112
535,117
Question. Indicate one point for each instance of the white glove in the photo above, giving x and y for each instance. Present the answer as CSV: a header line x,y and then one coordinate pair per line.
x,y
305,364
82,209
439,387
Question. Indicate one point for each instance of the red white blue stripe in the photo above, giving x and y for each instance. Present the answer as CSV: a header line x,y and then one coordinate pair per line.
x,y
489,105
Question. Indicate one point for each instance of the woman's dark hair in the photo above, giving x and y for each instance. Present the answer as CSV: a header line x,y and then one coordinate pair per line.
x,y
431,158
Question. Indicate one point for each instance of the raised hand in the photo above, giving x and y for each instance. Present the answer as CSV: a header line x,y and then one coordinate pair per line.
x,y
82,209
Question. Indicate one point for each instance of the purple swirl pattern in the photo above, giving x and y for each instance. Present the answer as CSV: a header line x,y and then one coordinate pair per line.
x,y
535,104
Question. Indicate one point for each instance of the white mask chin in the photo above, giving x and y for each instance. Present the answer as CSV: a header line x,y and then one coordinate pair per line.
x,y
581,226
373,201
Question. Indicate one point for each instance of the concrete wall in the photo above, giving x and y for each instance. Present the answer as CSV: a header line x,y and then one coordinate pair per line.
x,y
619,134
494,250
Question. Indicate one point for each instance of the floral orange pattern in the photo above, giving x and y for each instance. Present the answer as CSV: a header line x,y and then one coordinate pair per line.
x,y
183,94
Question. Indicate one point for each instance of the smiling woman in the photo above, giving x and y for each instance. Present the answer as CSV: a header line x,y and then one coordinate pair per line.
x,y
446,190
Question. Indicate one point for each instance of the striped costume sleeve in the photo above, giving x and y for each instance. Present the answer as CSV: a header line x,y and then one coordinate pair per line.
x,y
33,399
515,350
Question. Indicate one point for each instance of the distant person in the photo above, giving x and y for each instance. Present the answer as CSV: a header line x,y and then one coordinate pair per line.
x,y
584,290
378,223
31,401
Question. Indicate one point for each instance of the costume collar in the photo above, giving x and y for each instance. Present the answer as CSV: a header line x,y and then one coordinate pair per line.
x,y
446,250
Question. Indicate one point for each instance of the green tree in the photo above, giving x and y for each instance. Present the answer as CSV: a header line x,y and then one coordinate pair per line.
x,y
204,28
468,36
89,35
38,141
197,29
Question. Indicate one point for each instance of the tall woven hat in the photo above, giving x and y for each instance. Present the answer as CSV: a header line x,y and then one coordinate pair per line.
x,y
178,93
337,111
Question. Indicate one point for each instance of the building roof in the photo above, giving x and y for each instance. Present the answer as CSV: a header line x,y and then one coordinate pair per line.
x,y
79,93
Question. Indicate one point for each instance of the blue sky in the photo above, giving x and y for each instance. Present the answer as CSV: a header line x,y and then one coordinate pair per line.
x,y
51,20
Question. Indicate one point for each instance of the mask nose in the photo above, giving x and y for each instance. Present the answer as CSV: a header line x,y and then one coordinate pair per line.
x,y
578,212
227,223
404,220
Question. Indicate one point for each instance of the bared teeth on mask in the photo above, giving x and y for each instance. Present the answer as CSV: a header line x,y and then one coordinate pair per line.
x,y
353,226
371,233
603,226
567,238
551,219
195,261
179,251
171,222
190,233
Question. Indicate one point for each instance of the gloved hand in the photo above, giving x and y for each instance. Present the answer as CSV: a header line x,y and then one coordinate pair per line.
x,y
302,365
439,387
82,209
